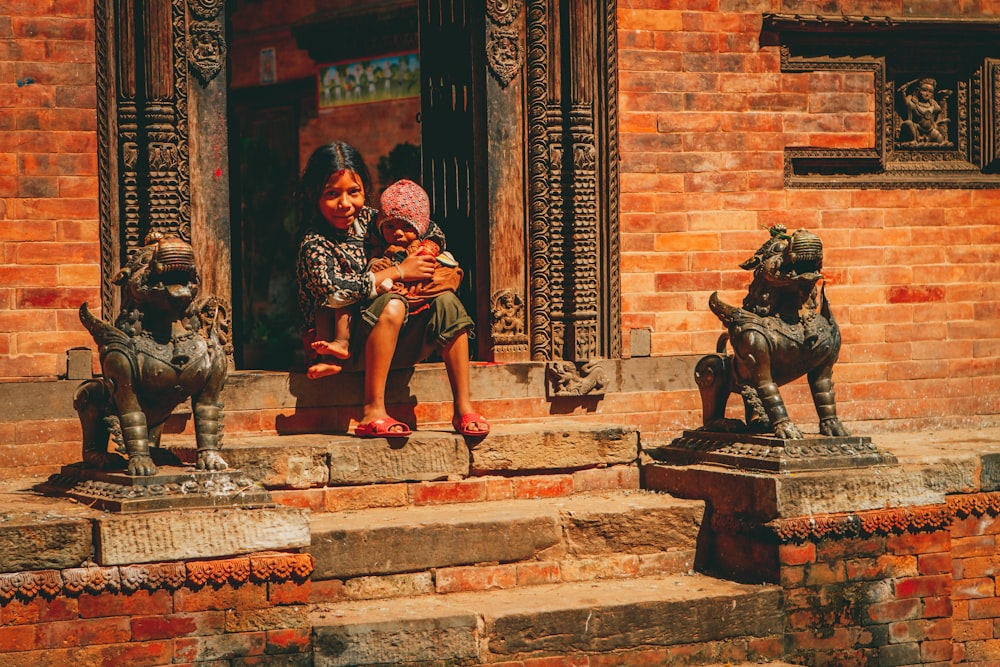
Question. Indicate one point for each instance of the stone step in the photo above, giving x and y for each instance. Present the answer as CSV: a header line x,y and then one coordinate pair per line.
x,y
301,461
584,536
651,616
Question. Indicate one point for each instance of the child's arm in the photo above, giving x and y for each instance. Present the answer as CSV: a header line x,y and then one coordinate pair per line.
x,y
323,276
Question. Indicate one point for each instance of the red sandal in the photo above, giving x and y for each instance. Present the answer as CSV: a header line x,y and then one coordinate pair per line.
x,y
464,424
382,428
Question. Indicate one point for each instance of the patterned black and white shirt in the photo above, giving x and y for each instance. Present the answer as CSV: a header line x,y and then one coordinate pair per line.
x,y
331,266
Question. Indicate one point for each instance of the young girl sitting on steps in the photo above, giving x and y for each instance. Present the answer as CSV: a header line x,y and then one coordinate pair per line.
x,y
332,272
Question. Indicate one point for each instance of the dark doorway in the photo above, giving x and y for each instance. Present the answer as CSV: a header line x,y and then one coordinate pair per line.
x,y
299,81
265,161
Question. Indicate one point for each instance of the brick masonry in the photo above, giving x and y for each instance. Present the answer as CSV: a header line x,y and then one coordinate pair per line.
x,y
914,586
224,610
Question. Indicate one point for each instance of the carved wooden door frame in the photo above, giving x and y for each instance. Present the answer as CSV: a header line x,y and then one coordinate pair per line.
x,y
573,225
550,188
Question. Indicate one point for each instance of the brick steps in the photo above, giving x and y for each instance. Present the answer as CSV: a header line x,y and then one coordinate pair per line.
x,y
502,544
688,619
431,549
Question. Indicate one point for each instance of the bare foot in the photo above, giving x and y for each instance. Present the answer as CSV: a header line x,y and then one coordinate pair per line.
x,y
340,349
321,370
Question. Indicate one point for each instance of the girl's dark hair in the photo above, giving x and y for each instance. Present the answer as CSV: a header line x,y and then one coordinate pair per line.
x,y
323,163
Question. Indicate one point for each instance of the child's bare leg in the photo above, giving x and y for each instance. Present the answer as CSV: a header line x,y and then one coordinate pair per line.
x,y
335,337
456,361
327,322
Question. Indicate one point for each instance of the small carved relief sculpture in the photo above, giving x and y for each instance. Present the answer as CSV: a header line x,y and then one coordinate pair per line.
x,y
925,123
783,331
163,348
568,380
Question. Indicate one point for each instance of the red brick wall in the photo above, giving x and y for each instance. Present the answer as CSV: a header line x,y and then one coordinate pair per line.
x,y
706,114
48,186
894,587
161,613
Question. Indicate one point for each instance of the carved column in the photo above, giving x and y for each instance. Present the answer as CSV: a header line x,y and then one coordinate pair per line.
x,y
147,178
572,180
209,142
505,175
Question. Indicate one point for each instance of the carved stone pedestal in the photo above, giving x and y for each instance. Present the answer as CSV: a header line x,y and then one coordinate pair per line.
x,y
173,487
768,453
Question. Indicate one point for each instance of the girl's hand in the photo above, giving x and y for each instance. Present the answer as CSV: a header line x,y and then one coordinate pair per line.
x,y
417,267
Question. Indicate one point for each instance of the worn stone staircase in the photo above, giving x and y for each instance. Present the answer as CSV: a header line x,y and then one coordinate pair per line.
x,y
533,547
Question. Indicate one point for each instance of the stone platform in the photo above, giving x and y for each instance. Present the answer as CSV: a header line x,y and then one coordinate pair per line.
x,y
771,454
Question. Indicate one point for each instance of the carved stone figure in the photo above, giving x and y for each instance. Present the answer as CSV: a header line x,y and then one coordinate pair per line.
x,y
783,331
163,349
926,120
567,379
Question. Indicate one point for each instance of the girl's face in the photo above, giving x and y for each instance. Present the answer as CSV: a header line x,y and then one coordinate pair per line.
x,y
341,199
398,232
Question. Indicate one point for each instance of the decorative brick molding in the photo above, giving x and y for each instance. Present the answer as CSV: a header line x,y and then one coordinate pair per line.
x,y
72,582
862,524
895,520
975,504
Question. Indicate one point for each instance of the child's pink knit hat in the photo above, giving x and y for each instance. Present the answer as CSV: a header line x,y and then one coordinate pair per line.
x,y
405,200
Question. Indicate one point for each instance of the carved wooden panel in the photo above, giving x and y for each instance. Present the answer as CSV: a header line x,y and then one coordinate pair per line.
x,y
142,109
146,50
935,93
572,180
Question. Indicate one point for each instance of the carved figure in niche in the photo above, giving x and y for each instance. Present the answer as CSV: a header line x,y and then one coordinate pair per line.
x,y
163,348
926,119
783,331
507,313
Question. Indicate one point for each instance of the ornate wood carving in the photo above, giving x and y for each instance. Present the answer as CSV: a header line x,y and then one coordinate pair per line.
x,y
576,380
507,328
538,181
503,53
608,178
207,46
504,46
571,228
107,170
142,112
935,99
503,12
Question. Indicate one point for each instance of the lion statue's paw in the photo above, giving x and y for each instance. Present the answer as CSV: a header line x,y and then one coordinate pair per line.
x,y
210,459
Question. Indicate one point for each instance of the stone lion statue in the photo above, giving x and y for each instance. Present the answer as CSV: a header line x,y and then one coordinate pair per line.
x,y
783,331
164,348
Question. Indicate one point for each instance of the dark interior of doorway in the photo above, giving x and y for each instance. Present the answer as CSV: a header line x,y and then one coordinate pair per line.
x,y
274,126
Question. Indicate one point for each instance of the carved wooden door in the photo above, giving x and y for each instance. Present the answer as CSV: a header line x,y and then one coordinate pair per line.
x,y
520,158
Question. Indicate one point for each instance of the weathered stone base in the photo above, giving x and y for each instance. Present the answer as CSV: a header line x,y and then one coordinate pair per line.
x,y
768,453
171,488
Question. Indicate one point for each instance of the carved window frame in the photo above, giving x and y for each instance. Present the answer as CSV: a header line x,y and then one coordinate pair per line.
x,y
968,53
